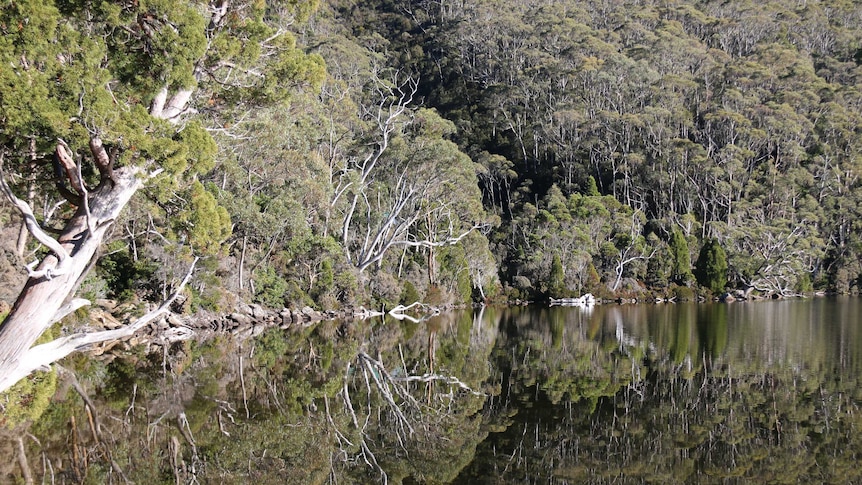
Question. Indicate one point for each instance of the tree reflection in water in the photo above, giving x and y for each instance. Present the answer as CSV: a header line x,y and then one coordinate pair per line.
x,y
330,403
752,393
756,393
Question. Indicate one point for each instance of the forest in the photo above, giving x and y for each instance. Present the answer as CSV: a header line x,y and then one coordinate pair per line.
x,y
200,157
338,154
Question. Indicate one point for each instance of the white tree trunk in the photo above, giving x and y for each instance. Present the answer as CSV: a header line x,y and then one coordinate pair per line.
x,y
46,292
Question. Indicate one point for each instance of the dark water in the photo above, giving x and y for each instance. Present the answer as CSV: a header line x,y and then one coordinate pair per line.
x,y
763,392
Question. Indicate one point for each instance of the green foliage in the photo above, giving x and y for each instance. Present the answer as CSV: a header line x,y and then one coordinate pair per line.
x,y
121,273
587,233
681,272
209,292
296,297
557,283
203,224
593,282
119,380
198,150
81,70
711,268
752,142
455,273
718,116
270,347
271,289
803,284
659,267
27,400
683,293
409,294
325,280
591,189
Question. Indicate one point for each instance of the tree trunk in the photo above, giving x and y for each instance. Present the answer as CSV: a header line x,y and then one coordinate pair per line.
x,y
40,303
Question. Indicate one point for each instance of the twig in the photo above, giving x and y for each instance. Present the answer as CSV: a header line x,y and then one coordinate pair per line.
x,y
242,382
93,420
338,434
451,380
366,451
186,430
346,397
374,365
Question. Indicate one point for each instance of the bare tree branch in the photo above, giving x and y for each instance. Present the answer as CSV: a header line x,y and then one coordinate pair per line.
x,y
64,156
42,356
34,229
103,161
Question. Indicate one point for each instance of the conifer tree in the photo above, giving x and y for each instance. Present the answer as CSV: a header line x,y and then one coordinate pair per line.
x,y
681,273
711,268
557,283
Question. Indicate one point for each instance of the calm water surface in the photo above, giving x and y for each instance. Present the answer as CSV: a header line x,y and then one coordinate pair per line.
x,y
763,392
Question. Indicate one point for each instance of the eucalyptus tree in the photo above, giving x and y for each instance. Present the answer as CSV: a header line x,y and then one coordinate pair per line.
x,y
405,185
675,110
116,87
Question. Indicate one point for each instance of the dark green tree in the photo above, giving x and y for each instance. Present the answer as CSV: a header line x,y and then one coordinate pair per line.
x,y
711,267
557,283
681,272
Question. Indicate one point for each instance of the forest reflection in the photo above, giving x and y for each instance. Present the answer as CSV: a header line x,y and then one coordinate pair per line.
x,y
702,393
753,393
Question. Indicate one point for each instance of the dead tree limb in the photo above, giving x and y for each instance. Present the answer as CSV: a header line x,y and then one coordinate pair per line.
x,y
42,356
35,230
22,461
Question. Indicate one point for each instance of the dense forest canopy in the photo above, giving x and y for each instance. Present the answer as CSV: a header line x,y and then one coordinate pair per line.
x,y
449,150
733,121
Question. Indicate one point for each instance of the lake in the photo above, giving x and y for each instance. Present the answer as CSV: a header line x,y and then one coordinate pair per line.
x,y
754,392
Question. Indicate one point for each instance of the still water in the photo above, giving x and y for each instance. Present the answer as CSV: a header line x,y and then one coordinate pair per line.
x,y
761,392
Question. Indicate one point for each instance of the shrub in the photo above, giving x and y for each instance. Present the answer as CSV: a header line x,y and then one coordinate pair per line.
x,y
270,288
683,293
409,294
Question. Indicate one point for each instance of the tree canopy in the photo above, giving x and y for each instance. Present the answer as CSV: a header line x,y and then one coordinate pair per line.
x,y
732,121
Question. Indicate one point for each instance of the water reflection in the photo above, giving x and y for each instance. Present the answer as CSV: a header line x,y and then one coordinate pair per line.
x,y
712,393
753,393
353,402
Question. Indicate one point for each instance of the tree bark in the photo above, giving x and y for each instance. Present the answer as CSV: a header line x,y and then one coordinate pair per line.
x,y
53,284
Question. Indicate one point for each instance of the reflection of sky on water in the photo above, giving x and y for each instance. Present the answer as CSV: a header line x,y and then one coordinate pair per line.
x,y
818,334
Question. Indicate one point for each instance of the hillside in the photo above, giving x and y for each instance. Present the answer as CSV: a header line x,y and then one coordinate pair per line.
x,y
604,128
453,151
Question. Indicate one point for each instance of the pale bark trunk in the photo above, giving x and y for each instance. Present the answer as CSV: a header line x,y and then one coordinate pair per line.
x,y
52,285
23,234
242,264
44,355
39,303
